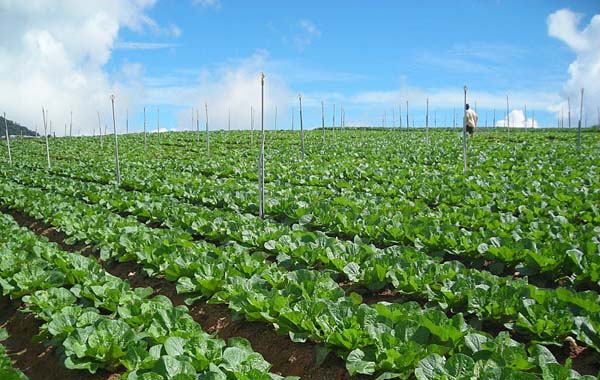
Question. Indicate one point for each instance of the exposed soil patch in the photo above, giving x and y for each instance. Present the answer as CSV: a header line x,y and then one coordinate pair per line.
x,y
37,361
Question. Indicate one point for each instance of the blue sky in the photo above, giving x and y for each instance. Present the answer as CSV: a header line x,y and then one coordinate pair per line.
x,y
369,57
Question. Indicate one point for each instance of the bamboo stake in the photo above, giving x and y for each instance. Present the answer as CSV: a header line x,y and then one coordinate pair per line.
x,y
400,116
100,131
407,123
145,134
198,126
117,170
261,157
71,125
7,140
579,124
301,125
494,117
464,132
275,118
393,118
207,135
251,125
45,117
323,122
427,122
158,124
507,117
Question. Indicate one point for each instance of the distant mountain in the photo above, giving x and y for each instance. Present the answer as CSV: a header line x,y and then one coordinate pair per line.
x,y
14,129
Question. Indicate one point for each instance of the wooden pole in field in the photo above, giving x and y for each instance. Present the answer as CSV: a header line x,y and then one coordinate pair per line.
x,y
407,115
464,132
507,117
197,125
65,132
562,117
261,157
251,125
100,131
45,117
117,169
393,118
453,118
275,118
127,122
207,135
486,119
569,111
145,134
71,125
301,125
400,116
427,121
158,124
323,122
7,140
579,124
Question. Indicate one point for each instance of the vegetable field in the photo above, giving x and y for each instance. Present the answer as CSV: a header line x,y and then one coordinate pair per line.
x,y
378,257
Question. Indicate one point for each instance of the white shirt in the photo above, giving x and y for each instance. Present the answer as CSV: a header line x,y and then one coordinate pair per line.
x,y
470,119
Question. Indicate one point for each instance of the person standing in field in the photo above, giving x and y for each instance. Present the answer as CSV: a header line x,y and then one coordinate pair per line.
x,y
470,120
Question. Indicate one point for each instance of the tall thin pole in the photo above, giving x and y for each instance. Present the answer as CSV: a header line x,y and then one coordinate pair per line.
x,y
453,118
158,124
400,116
507,116
229,119
427,121
100,130
261,157
251,125
193,118
393,118
323,121
7,140
275,118
301,125
207,135
494,122
562,117
197,125
407,115
45,116
569,111
127,121
145,134
579,124
435,119
71,125
464,132
117,171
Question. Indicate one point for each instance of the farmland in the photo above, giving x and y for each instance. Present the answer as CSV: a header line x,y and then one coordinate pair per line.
x,y
378,257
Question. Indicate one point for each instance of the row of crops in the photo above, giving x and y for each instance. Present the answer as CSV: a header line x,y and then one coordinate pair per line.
x,y
493,273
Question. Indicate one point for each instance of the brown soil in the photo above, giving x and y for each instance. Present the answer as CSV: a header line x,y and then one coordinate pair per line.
x,y
288,358
36,360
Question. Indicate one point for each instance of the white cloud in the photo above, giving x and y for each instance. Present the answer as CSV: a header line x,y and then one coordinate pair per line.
x,y
584,71
517,120
55,53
